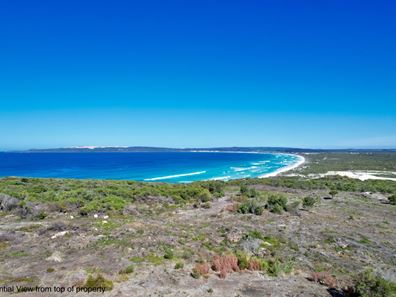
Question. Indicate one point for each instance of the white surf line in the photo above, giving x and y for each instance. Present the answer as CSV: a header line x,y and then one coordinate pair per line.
x,y
301,160
221,178
175,176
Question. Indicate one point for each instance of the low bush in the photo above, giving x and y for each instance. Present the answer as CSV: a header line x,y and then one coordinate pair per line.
x,y
127,270
225,264
276,203
200,269
367,284
392,199
251,206
98,282
249,192
257,264
309,201
293,207
276,267
168,253
243,259
323,278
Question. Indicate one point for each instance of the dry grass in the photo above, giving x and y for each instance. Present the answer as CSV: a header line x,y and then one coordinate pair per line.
x,y
254,265
202,269
225,264
324,278
233,207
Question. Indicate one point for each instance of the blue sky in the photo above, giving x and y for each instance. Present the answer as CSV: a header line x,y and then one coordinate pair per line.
x,y
198,73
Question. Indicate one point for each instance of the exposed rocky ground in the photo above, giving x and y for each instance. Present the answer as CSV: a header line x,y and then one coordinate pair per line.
x,y
154,247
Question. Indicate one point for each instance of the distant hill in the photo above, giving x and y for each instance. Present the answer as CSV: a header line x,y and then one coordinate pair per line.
x,y
93,149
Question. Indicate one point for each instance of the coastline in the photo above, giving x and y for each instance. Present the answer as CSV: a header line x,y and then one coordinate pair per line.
x,y
301,161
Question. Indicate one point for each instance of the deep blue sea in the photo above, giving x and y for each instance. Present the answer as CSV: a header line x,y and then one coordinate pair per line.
x,y
173,167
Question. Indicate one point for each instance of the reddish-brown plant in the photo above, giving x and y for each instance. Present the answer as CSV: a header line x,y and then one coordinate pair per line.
x,y
254,264
233,207
324,278
202,268
225,264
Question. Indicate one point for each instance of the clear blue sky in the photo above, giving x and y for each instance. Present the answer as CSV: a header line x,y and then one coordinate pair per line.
x,y
197,73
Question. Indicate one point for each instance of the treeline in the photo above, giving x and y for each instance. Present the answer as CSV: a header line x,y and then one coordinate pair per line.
x,y
338,183
336,161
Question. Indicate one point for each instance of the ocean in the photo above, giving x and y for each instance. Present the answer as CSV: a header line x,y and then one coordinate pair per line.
x,y
172,167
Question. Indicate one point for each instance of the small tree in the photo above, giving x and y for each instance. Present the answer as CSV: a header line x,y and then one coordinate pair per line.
x,y
333,192
392,199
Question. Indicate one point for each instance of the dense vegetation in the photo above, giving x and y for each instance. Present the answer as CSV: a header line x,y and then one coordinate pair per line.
x,y
338,183
94,195
323,162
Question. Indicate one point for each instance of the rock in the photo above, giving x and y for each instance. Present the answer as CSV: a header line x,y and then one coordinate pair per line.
x,y
234,236
251,245
57,226
25,210
7,202
38,212
130,210
10,236
59,234
342,244
55,257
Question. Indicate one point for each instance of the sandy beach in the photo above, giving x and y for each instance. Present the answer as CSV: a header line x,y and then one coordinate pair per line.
x,y
285,169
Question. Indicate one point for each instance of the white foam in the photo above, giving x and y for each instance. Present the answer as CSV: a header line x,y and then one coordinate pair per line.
x,y
301,160
175,176
260,162
238,169
221,178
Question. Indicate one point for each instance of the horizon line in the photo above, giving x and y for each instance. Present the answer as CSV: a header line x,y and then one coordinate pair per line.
x,y
96,148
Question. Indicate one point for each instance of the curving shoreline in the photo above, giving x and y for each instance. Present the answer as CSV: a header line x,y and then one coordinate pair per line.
x,y
301,161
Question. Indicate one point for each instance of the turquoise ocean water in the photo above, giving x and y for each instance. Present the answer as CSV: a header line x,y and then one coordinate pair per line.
x,y
173,167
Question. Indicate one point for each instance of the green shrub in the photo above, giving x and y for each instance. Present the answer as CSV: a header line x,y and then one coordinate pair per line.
x,y
333,192
243,259
168,253
98,281
367,284
206,205
179,265
41,215
243,189
276,267
127,270
251,206
216,188
392,199
309,201
205,196
293,206
276,203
